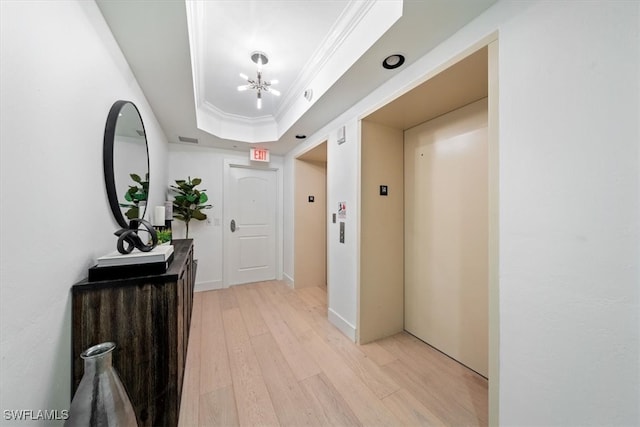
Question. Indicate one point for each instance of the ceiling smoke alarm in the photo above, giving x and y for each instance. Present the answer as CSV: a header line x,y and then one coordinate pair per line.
x,y
308,94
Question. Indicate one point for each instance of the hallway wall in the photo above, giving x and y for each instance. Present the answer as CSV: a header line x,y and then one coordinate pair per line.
x,y
208,163
381,291
310,232
61,70
568,210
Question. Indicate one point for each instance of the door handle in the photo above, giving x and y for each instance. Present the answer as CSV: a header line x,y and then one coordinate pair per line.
x,y
233,225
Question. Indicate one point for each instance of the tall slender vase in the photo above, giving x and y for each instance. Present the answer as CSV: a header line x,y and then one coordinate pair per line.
x,y
101,399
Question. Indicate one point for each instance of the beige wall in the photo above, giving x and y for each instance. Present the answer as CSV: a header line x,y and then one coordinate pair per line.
x,y
381,246
446,234
310,266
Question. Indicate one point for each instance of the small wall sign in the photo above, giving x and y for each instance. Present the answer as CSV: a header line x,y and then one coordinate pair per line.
x,y
342,210
259,154
341,135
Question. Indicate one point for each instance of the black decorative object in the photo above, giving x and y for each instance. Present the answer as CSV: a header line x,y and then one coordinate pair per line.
x,y
116,272
132,239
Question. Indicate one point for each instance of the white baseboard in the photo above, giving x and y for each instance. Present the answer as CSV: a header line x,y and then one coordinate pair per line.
x,y
208,286
288,279
339,322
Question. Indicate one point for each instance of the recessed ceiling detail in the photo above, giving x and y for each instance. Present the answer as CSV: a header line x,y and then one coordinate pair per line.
x,y
392,62
317,56
309,43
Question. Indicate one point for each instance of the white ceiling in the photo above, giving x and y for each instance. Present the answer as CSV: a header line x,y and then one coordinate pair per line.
x,y
187,58
227,51
458,85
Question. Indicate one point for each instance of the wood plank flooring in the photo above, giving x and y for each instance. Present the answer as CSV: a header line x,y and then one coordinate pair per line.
x,y
264,354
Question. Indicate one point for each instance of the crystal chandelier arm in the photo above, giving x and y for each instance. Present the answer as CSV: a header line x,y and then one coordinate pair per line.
x,y
259,85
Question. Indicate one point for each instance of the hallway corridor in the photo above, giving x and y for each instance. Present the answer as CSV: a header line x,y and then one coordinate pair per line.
x,y
264,354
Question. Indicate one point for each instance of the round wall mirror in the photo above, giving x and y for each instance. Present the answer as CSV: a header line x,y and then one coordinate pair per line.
x,y
126,163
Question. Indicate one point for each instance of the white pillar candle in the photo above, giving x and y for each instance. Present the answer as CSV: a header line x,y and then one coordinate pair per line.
x,y
158,217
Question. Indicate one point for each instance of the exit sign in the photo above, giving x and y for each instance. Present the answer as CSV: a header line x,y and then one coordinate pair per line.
x,y
259,155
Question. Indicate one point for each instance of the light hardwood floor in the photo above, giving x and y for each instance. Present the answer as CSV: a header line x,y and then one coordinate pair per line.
x,y
264,354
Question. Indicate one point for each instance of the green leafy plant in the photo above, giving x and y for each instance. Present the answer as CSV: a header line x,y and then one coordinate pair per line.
x,y
189,202
164,235
139,192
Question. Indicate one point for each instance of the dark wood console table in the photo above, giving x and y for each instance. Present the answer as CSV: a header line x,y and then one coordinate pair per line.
x,y
148,318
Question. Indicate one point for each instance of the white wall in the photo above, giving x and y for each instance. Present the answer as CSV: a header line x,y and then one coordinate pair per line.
x,y
569,206
569,281
61,70
343,181
288,223
208,163
343,185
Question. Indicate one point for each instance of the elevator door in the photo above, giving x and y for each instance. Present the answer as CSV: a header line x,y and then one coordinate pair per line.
x,y
446,234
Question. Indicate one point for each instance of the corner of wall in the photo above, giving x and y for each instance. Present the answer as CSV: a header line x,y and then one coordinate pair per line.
x,y
339,322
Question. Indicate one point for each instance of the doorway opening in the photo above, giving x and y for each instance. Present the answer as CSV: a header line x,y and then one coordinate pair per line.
x,y
386,306
310,218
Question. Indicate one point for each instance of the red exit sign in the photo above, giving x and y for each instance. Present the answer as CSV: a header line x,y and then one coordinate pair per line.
x,y
259,154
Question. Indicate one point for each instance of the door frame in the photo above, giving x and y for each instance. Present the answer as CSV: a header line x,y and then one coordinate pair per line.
x,y
296,212
491,41
279,237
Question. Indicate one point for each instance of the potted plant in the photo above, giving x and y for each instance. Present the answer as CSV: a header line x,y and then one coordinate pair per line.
x,y
164,235
135,195
189,202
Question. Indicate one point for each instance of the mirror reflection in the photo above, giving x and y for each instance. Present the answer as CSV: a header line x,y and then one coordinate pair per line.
x,y
127,172
130,163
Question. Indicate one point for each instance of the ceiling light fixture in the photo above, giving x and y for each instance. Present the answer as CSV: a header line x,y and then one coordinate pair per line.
x,y
259,85
393,61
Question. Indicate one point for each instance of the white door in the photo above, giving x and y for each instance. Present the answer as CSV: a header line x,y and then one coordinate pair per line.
x,y
250,229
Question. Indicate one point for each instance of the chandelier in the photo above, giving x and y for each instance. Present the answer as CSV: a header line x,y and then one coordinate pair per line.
x,y
259,84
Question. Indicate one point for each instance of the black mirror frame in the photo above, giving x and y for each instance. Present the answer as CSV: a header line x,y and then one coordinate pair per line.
x,y
107,157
